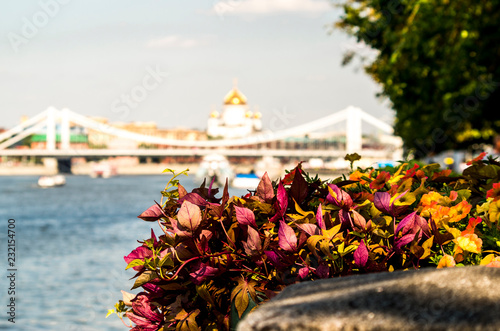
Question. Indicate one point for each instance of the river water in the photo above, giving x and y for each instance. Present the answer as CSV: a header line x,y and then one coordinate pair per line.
x,y
70,243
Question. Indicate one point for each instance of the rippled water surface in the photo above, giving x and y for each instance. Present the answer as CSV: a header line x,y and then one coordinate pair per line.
x,y
70,243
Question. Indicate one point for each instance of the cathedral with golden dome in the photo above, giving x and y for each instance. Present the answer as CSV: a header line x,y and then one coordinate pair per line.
x,y
236,120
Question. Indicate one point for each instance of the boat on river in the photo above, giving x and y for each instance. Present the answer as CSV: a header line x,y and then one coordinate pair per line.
x,y
215,166
52,181
102,170
248,181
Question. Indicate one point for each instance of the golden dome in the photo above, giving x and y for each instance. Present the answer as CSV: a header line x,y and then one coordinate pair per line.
x,y
214,114
257,115
248,114
235,97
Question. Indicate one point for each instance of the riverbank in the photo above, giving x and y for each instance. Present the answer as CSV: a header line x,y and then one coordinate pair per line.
x,y
85,169
143,169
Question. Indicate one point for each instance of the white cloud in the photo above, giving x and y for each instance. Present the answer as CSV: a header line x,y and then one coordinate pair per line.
x,y
173,41
266,7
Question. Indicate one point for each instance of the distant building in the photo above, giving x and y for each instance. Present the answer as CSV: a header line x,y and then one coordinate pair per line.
x,y
77,141
236,120
103,140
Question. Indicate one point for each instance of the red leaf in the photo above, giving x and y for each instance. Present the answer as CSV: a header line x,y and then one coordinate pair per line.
x,y
253,243
189,216
140,253
265,188
275,258
358,220
182,191
310,229
323,271
299,187
303,272
319,218
202,272
361,255
288,179
194,198
245,216
287,239
152,214
179,229
282,197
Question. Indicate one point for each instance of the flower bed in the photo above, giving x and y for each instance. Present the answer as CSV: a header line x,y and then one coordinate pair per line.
x,y
219,257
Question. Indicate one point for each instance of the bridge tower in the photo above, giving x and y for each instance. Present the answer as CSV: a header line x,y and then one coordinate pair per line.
x,y
354,138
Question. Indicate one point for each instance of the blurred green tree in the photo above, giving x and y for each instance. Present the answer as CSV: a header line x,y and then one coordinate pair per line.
x,y
438,61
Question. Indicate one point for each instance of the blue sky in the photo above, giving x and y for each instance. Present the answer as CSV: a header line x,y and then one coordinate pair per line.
x,y
86,55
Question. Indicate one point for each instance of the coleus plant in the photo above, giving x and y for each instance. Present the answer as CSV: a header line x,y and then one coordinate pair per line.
x,y
218,257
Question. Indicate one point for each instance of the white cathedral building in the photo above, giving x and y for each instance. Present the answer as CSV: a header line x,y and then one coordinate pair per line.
x,y
235,120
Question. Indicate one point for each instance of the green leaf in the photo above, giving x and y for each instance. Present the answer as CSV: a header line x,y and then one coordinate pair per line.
x,y
144,278
167,260
135,263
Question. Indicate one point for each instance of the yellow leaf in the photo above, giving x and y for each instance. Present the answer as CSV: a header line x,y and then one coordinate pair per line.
x,y
300,211
325,248
110,312
487,259
405,186
427,245
312,241
329,234
455,232
241,302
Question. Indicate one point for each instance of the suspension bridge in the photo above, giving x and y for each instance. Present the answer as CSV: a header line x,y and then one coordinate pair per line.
x,y
256,145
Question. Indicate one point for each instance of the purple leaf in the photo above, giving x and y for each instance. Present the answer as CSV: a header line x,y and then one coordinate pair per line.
x,y
422,224
210,186
245,216
152,214
382,201
338,197
275,259
282,197
287,239
194,198
405,240
265,188
361,254
319,218
189,216
323,271
407,223
201,272
310,229
154,289
345,218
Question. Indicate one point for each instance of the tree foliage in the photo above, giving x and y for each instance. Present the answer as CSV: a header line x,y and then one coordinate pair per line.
x,y
437,62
